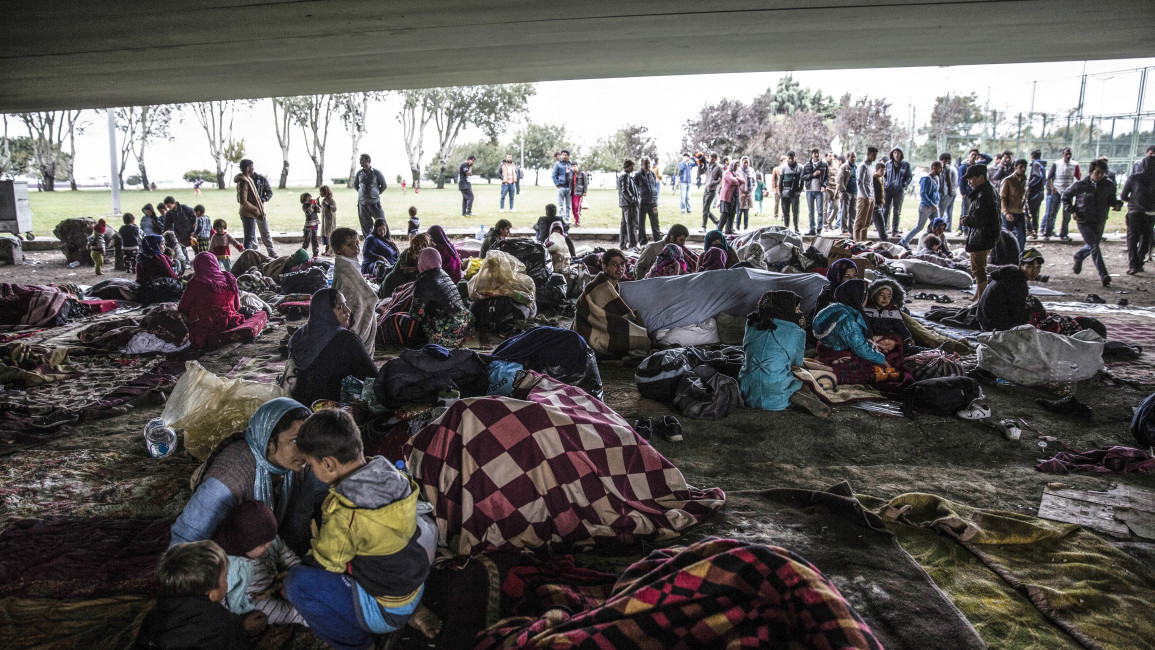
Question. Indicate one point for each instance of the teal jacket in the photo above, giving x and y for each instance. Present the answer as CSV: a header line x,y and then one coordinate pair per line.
x,y
766,378
842,328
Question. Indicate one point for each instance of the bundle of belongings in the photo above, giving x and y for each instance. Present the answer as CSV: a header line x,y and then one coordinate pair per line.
x,y
547,465
559,353
160,329
41,305
701,384
502,293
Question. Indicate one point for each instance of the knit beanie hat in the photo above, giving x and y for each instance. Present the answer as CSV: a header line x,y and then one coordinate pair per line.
x,y
100,227
248,526
428,259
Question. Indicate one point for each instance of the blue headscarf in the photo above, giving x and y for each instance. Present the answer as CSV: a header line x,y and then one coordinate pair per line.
x,y
150,246
258,434
307,343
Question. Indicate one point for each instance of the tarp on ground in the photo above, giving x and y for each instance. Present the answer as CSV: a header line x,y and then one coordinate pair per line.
x,y
677,301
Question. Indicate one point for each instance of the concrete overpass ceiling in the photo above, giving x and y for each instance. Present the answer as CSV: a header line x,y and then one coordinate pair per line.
x,y
67,54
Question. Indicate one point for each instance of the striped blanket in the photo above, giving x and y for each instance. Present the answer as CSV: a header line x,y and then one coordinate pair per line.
x,y
718,593
548,465
607,323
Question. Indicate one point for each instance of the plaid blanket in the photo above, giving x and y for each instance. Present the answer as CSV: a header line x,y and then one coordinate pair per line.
x,y
607,323
549,465
718,593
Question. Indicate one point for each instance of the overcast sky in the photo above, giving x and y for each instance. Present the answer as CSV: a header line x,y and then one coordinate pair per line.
x,y
594,108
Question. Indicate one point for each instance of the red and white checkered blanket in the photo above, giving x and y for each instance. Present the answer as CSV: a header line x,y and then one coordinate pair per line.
x,y
550,464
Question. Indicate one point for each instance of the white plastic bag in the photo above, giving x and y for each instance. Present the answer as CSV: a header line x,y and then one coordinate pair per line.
x,y
704,333
209,408
1028,356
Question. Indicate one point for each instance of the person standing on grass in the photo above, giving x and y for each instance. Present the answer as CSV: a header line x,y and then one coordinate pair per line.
x,y
928,201
898,177
628,202
1089,199
1061,176
648,189
581,184
790,183
947,189
507,172
1036,191
466,186
776,185
252,209
713,182
562,180
844,192
863,180
369,183
682,178
1139,193
833,165
745,195
1013,199
814,176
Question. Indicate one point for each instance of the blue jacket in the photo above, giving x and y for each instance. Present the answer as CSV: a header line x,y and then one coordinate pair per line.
x,y
928,192
843,328
1037,180
560,174
766,378
963,186
897,176
684,170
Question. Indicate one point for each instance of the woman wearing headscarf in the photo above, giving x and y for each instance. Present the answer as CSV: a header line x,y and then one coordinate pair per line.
x,y
262,464
360,296
450,258
151,262
838,272
715,239
671,261
714,259
211,303
150,223
844,339
377,250
405,270
325,352
437,303
773,344
677,235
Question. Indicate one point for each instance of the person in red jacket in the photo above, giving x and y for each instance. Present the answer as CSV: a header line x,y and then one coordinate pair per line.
x,y
211,302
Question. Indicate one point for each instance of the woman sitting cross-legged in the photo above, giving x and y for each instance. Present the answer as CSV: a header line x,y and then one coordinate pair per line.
x,y
844,342
324,352
405,270
211,302
773,345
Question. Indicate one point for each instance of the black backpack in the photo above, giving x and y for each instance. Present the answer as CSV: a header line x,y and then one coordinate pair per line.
x,y
538,265
305,282
939,396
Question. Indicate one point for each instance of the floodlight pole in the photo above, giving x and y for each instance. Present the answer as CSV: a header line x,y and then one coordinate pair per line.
x,y
113,172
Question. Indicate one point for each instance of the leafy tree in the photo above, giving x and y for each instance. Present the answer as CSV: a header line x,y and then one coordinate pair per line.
x,y
216,118
235,152
354,110
799,131
789,97
314,113
15,155
631,141
135,180
726,128
541,141
488,158
952,118
194,175
138,126
47,131
489,108
865,122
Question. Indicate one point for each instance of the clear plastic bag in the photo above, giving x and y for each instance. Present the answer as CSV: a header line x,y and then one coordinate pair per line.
x,y
501,274
209,408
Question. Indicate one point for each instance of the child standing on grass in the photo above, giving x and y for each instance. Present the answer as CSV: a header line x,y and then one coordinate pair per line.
x,y
130,237
97,245
203,231
328,217
414,222
256,555
312,222
188,614
369,561
219,244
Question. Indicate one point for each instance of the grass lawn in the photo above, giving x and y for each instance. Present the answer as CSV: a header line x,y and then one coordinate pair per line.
x,y
434,207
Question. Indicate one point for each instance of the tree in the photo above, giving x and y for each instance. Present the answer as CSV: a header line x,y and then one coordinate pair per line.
x,y
282,122
865,122
234,152
631,141
139,125
726,128
74,125
314,113
134,180
490,108
194,175
416,112
953,117
354,108
47,130
789,97
216,118
540,141
488,156
799,131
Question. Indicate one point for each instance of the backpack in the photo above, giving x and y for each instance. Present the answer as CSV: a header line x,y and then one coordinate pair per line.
x,y
659,374
933,363
552,295
532,254
939,396
305,282
707,394
1143,423
497,315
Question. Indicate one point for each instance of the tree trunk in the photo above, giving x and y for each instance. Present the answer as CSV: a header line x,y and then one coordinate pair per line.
x,y
536,176
220,178
415,172
49,184
352,173
72,182
284,174
143,176
441,177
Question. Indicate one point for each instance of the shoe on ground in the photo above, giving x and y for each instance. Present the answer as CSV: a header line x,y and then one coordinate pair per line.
x,y
1107,281
54,419
669,428
501,210
701,230
1043,278
1094,299
810,403
1046,238
810,233
1078,267
1066,406
1064,238
644,428
1132,271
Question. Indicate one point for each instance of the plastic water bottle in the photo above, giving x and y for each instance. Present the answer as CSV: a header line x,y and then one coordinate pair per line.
x,y
481,233
160,439
73,265
1066,382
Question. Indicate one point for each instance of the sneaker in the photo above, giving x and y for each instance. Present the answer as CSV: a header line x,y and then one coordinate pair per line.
x,y
1046,238
54,420
810,233
1066,406
669,428
1043,278
644,428
701,230
1094,299
810,403
512,210
1078,267
500,210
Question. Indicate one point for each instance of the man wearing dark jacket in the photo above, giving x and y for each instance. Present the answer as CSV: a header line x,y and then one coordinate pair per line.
x,y
894,185
1004,303
628,202
982,223
464,171
815,173
648,188
181,221
974,157
1139,193
790,182
1089,199
713,181
1036,191
370,184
